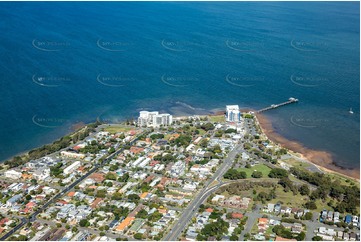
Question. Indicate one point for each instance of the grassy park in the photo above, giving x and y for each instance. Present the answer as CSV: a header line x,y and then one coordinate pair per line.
x,y
262,168
117,129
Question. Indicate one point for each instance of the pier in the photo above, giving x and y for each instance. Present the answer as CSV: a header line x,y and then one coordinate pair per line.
x,y
273,106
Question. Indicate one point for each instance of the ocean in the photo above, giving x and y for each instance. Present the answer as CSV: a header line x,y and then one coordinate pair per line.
x,y
64,63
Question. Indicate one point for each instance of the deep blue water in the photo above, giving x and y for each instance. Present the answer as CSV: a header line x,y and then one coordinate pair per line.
x,y
63,63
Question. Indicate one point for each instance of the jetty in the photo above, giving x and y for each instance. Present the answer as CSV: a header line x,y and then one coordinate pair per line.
x,y
273,106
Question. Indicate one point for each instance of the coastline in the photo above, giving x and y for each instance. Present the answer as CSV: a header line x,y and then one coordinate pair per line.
x,y
72,130
321,159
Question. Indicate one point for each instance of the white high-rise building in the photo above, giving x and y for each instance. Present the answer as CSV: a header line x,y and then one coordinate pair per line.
x,y
232,113
154,119
146,118
162,119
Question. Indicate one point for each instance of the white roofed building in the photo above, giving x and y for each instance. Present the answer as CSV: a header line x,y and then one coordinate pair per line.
x,y
72,167
12,174
232,113
154,119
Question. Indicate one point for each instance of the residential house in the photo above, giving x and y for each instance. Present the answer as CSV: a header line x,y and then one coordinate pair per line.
x,y
355,221
41,173
12,174
348,219
352,236
124,224
296,228
329,215
336,217
270,207
12,201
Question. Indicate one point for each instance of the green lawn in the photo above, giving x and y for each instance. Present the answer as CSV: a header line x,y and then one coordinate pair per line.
x,y
167,136
288,198
343,180
117,129
297,163
217,119
269,230
262,168
201,131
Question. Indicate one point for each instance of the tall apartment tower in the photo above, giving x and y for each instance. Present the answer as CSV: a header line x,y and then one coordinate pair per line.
x,y
232,113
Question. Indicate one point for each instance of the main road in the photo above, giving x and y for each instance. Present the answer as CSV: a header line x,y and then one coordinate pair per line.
x,y
187,214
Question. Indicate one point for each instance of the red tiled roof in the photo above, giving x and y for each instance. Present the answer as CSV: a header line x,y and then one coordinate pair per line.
x,y
30,204
96,202
71,194
136,150
237,215
278,238
98,177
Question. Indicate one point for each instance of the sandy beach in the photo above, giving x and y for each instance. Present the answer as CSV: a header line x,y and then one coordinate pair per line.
x,y
322,159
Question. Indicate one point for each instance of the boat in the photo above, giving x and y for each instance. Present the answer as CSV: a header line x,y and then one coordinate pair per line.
x,y
351,112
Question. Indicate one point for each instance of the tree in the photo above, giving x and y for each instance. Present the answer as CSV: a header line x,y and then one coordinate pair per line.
x,y
304,190
278,173
101,193
204,143
114,167
13,224
310,205
183,140
133,197
111,176
257,174
124,178
111,150
308,216
19,238
280,230
317,238
207,126
217,228
84,223
138,236
228,131
28,197
301,236
157,136
287,184
142,214
238,230
233,238
155,216
233,174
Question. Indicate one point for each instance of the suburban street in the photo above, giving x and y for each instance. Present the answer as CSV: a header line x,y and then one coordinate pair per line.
x,y
253,216
188,213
